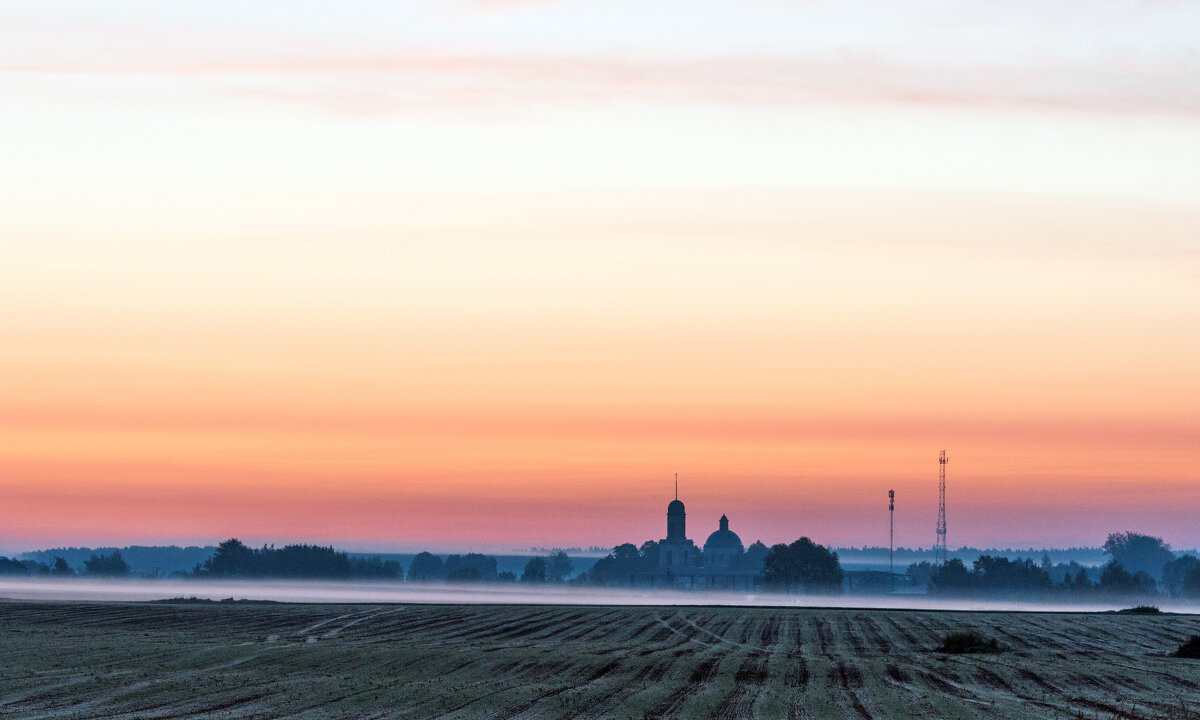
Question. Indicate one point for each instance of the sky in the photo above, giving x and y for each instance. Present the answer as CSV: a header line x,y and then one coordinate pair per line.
x,y
486,274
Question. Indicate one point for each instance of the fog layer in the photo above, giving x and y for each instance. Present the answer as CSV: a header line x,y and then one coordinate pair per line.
x,y
382,592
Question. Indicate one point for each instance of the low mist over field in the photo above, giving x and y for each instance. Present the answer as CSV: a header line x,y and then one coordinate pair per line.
x,y
83,590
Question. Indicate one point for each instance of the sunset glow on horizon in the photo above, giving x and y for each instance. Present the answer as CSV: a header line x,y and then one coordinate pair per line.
x,y
485,275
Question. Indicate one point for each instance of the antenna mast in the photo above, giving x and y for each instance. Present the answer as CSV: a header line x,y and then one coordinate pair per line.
x,y
892,540
676,486
939,550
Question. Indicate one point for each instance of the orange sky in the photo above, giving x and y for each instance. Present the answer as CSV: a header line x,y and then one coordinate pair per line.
x,y
475,274
512,378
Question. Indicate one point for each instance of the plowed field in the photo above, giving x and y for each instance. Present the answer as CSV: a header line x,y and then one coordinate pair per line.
x,y
145,660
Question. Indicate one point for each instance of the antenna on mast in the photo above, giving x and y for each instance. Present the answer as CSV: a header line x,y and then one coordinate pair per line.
x,y
892,540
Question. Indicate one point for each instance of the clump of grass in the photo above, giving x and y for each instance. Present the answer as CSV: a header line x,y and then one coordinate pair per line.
x,y
968,642
206,601
1189,648
181,599
1141,610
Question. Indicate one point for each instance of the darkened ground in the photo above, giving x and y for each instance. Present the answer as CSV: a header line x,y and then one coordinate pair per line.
x,y
61,660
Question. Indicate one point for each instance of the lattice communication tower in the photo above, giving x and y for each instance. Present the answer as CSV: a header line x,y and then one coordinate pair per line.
x,y
939,550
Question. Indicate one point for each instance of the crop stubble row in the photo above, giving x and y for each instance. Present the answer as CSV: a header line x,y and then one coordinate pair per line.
x,y
159,661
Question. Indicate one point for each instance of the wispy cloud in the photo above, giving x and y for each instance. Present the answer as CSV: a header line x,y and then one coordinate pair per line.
x,y
398,82
498,5
1116,57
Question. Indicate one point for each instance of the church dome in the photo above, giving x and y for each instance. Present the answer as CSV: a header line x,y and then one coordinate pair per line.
x,y
674,507
724,539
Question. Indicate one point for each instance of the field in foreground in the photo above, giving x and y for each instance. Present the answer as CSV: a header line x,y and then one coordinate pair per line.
x,y
149,660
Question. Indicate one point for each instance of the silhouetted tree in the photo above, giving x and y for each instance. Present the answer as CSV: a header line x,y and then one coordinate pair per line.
x,y
1191,583
751,561
1116,580
1176,573
232,559
921,573
1001,575
620,565
12,567
464,573
647,556
558,567
535,571
1136,552
484,565
952,576
627,553
375,568
506,576
1065,573
1144,583
802,566
61,567
108,565
426,567
304,561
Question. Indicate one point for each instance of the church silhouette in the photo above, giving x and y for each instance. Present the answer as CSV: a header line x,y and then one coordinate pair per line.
x,y
723,563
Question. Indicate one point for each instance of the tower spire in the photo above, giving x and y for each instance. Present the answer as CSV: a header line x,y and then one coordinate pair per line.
x,y
676,486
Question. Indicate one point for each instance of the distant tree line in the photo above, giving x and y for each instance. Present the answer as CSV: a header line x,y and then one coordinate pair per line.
x,y
553,568
907,555
111,565
474,567
471,567
1138,565
144,561
233,559
802,566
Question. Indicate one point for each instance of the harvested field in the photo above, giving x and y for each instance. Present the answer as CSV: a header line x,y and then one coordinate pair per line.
x,y
149,660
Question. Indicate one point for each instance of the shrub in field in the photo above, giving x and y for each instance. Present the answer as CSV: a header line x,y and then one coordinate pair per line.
x,y
968,642
1140,610
1190,648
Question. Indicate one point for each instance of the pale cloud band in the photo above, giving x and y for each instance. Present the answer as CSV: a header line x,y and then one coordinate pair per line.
x,y
402,82
1109,57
